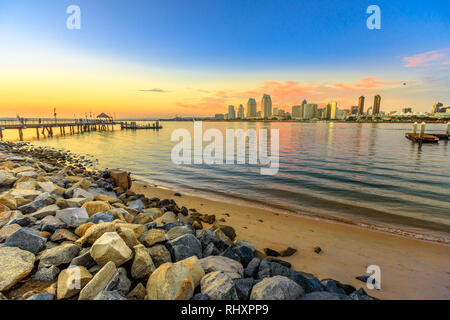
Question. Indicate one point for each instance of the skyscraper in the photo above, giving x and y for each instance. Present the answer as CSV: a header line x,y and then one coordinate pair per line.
x,y
251,108
241,112
437,107
361,105
266,106
327,114
333,110
354,110
231,113
376,104
296,112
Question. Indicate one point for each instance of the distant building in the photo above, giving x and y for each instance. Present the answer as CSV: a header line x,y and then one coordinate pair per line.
x,y
376,105
241,112
354,110
361,105
407,110
275,111
219,116
231,113
437,107
297,112
266,106
333,110
251,108
258,114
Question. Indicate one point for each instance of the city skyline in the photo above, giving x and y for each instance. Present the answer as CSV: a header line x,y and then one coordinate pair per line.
x,y
156,59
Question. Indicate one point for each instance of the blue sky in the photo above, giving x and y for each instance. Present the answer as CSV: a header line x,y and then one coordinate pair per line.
x,y
231,38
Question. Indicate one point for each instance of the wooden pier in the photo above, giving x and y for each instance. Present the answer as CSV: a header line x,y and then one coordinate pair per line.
x,y
423,137
134,126
48,129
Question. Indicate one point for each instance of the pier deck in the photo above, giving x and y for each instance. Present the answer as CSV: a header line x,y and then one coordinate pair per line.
x,y
426,138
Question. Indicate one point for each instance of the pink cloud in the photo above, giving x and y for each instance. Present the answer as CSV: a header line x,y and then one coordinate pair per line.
x,y
366,84
430,58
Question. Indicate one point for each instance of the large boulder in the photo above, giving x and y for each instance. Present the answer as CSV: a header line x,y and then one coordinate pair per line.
x,y
276,288
99,282
73,217
26,239
218,286
159,254
60,255
15,264
110,247
71,281
306,280
154,236
219,263
174,281
184,247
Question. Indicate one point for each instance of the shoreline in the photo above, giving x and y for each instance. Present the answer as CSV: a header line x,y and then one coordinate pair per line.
x,y
347,249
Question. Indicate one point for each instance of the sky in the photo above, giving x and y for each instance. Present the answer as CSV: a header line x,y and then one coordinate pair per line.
x,y
166,58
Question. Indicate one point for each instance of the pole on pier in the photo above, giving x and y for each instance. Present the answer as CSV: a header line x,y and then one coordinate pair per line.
x,y
414,127
20,134
1,134
422,129
37,133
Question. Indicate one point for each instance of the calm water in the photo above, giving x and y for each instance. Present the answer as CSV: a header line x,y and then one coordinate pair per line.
x,y
366,171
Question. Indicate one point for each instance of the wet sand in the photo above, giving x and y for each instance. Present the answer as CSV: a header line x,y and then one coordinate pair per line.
x,y
410,268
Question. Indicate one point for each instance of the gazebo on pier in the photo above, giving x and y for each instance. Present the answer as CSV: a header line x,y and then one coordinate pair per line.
x,y
104,117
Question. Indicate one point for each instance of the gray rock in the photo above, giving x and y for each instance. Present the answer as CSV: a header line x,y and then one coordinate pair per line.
x,y
184,247
62,254
109,295
101,217
332,286
276,288
218,286
207,236
211,250
73,217
251,271
137,205
96,191
83,260
45,211
361,295
324,295
200,297
26,239
219,263
179,231
42,296
51,224
119,282
41,201
46,274
243,287
230,252
170,225
264,270
245,253
308,281
81,193
21,221
159,254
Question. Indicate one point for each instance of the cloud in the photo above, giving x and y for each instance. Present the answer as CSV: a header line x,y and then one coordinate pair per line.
x,y
435,58
367,84
154,90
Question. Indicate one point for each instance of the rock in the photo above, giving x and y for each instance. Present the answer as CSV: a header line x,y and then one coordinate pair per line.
x,y
81,230
51,224
138,293
264,270
143,218
42,296
138,229
47,186
128,236
95,232
142,264
184,247
73,217
136,205
251,271
26,239
93,207
230,252
200,297
110,247
18,218
60,255
119,282
6,179
74,202
166,218
45,211
226,265
179,231
4,208
174,281
8,230
159,254
228,231
105,197
244,287
360,295
245,253
211,250
306,280
271,252
323,295
207,236
223,238
84,260
15,264
101,217
218,286
276,288
317,250
8,201
71,281
288,252
81,193
24,193
121,179
98,282
109,295
154,236
282,262
62,235
46,274
333,286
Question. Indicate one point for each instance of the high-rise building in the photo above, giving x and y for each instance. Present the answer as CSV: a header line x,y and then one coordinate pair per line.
x,y
241,112
437,107
333,110
251,108
275,111
361,105
407,110
231,113
354,110
296,112
327,113
219,116
266,106
376,105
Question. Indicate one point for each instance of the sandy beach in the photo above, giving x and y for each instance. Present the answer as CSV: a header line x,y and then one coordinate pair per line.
x,y
410,268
